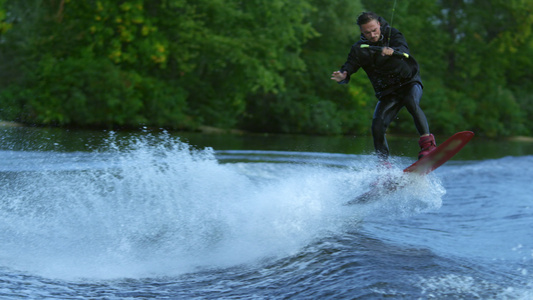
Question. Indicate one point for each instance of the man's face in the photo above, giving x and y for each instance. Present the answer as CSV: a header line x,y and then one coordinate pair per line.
x,y
371,31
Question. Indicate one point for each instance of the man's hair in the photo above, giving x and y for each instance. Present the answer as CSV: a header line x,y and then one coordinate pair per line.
x,y
366,17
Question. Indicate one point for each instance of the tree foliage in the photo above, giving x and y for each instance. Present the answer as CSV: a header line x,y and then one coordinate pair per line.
x,y
258,65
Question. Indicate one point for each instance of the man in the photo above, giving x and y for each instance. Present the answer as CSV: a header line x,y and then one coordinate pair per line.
x,y
395,78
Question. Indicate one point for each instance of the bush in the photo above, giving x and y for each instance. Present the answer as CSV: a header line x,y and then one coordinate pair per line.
x,y
91,91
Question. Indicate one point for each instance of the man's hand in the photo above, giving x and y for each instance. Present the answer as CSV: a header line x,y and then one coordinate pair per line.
x,y
387,51
338,76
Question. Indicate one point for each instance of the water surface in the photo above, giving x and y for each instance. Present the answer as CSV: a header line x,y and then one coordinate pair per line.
x,y
105,215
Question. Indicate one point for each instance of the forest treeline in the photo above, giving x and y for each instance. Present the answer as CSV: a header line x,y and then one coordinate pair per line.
x,y
258,65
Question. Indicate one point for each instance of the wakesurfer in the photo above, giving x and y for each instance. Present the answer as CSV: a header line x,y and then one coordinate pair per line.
x,y
395,78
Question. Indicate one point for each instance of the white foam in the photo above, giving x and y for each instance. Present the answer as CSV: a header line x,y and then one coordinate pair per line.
x,y
162,208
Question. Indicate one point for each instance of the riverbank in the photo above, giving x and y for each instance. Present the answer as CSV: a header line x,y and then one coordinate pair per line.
x,y
10,124
220,131
528,139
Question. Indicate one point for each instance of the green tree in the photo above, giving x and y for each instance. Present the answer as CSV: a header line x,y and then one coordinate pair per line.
x,y
259,65
88,63
208,54
311,102
248,47
485,37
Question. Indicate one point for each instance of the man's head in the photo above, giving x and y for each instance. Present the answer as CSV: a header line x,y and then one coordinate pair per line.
x,y
370,26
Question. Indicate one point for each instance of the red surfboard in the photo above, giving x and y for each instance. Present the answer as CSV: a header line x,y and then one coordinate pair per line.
x,y
441,154
423,166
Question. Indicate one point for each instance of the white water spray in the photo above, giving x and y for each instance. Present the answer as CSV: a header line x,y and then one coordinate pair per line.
x,y
159,208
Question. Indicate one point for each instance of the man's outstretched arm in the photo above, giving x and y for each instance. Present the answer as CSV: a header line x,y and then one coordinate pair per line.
x,y
339,76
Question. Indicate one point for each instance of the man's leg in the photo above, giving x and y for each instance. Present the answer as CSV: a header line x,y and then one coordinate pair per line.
x,y
412,103
386,110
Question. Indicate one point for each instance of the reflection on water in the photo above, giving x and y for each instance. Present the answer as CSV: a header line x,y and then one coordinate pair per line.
x,y
65,140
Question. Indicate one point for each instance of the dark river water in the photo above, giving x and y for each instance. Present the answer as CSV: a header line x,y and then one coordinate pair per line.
x,y
152,215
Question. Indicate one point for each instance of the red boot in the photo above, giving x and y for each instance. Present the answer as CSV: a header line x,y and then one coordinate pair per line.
x,y
427,144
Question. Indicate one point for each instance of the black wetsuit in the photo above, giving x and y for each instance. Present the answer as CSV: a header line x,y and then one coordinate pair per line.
x,y
396,81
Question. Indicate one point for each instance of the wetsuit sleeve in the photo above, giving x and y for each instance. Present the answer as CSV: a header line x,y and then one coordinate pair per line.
x,y
398,42
351,65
